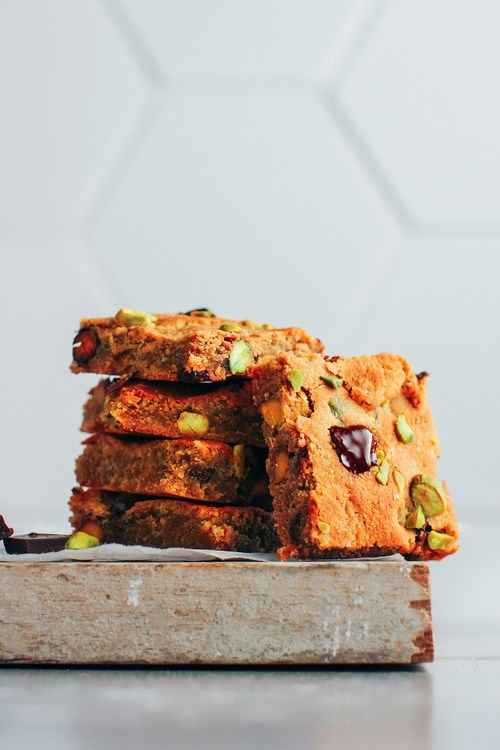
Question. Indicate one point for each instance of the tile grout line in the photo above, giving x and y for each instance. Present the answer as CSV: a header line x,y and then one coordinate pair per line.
x,y
111,178
139,49
107,182
359,33
377,175
359,29
342,66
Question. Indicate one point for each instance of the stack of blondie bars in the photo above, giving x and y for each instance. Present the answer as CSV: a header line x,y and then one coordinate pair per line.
x,y
176,454
223,434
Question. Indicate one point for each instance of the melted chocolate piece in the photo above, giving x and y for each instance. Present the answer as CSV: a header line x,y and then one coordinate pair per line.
x,y
5,530
422,374
355,447
34,543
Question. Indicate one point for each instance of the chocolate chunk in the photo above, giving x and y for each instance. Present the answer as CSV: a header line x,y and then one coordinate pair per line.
x,y
421,375
355,446
35,544
84,345
5,530
200,312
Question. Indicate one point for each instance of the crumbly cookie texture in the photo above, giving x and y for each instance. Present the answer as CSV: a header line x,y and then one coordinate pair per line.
x,y
202,470
352,458
161,522
223,412
191,347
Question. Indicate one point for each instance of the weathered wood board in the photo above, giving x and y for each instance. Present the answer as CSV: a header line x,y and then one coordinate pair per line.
x,y
216,613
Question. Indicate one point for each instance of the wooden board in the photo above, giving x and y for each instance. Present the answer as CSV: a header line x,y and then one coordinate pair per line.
x,y
236,613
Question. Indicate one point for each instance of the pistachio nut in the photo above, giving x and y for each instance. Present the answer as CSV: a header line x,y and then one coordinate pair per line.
x,y
134,317
440,540
403,429
333,382
428,493
415,519
400,481
241,357
81,540
192,423
384,470
296,379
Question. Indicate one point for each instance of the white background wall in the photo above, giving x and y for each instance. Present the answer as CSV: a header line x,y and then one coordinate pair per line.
x,y
333,164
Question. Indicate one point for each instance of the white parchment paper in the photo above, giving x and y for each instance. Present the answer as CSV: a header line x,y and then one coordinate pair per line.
x,y
122,553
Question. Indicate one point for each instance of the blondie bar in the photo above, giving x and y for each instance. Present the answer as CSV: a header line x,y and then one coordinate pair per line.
x,y
161,522
352,458
198,469
192,347
222,412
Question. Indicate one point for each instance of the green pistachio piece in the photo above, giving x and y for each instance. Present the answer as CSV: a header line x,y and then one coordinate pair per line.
x,y
428,493
81,540
382,475
296,379
337,405
230,327
332,381
415,519
239,460
403,429
134,317
400,481
440,540
192,423
241,357
256,326
200,312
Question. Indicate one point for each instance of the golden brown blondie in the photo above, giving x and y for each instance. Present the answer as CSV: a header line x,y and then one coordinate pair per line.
x,y
352,458
191,347
198,469
161,522
223,412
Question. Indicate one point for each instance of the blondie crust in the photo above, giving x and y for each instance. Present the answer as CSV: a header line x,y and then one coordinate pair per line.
x,y
160,522
189,347
198,469
352,458
224,412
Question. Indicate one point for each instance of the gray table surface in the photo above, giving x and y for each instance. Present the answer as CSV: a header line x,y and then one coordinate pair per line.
x,y
450,704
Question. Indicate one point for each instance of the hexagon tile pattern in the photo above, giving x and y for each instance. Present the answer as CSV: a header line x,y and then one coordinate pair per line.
x,y
258,40
253,191
437,306
424,112
70,90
